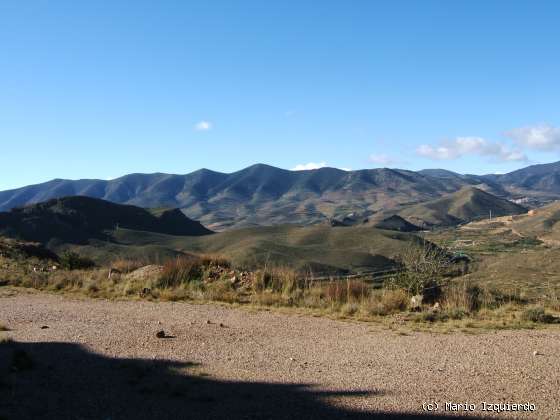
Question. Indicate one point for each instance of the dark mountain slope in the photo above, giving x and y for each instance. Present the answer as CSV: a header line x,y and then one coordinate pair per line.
x,y
533,179
80,219
396,222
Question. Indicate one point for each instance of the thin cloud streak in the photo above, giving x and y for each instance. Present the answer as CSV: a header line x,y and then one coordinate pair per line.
x,y
473,146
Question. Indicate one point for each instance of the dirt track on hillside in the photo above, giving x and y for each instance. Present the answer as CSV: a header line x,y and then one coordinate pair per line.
x,y
101,360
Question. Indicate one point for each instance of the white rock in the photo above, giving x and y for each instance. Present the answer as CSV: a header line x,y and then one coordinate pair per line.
x,y
416,301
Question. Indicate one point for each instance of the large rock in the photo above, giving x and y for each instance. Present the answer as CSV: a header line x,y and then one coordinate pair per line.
x,y
146,272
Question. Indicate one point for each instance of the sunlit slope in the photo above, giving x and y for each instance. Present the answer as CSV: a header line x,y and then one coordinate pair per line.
x,y
320,248
543,222
465,205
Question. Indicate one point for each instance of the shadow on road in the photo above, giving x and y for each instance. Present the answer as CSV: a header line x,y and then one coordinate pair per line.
x,y
65,381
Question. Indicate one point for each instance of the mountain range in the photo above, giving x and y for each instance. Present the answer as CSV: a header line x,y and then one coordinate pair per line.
x,y
265,195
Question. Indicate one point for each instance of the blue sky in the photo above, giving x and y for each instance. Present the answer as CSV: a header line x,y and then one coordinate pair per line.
x,y
99,89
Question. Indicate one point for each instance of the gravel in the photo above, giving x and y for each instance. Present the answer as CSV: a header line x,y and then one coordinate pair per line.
x,y
102,359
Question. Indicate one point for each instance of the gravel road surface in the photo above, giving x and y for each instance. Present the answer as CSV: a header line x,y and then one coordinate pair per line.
x,y
97,359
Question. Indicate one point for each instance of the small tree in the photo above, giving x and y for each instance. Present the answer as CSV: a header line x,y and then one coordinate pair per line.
x,y
422,270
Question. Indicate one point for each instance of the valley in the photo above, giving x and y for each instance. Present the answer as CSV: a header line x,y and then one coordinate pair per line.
x,y
460,251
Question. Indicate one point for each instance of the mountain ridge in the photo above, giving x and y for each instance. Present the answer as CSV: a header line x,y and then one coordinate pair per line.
x,y
265,195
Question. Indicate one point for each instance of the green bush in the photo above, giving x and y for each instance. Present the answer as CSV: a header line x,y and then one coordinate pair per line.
x,y
73,261
423,271
456,313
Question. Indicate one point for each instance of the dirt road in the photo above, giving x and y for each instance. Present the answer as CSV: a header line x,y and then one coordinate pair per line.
x,y
102,360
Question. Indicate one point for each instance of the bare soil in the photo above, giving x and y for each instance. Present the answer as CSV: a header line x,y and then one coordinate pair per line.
x,y
98,359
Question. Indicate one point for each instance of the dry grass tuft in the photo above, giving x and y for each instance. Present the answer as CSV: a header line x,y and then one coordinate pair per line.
x,y
385,302
180,270
349,291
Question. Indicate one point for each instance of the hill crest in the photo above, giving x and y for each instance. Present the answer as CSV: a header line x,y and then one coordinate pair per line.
x,y
79,219
467,204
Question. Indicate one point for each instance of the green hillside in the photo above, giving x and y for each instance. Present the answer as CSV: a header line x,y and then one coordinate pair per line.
x,y
319,248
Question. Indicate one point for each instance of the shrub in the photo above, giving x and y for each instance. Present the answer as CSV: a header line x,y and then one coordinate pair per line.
x,y
61,280
423,270
189,268
283,280
394,300
467,298
180,270
456,313
473,298
389,301
349,309
73,261
537,314
220,291
266,298
346,291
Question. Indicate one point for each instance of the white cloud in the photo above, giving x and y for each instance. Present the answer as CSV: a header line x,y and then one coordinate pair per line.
x,y
541,137
309,166
462,146
382,159
203,126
